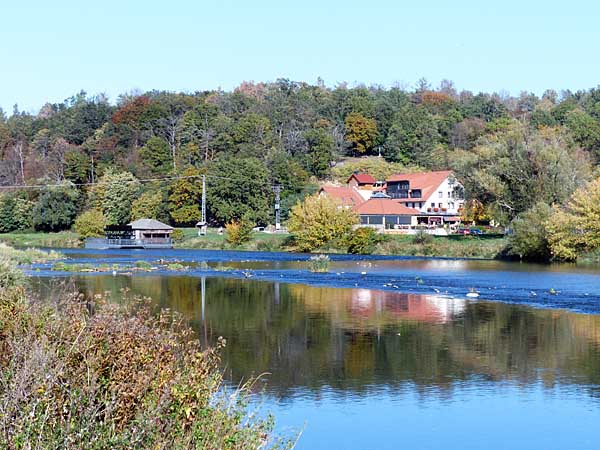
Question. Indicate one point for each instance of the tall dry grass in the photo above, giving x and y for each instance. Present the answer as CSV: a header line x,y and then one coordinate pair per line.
x,y
90,374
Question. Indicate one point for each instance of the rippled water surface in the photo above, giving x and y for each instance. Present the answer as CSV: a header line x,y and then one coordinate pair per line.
x,y
390,353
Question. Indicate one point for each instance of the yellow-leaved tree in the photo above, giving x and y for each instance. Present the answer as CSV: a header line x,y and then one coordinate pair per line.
x,y
576,228
319,220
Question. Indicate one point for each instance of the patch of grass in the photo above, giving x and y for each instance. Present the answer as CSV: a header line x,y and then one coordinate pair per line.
x,y
214,241
63,239
176,266
466,247
27,256
62,266
144,265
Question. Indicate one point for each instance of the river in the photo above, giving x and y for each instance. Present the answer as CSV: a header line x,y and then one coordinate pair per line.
x,y
387,353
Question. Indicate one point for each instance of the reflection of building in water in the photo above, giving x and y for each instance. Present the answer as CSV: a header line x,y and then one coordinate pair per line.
x,y
422,308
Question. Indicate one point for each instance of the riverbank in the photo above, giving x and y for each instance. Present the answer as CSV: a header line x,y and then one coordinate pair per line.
x,y
63,239
392,245
78,371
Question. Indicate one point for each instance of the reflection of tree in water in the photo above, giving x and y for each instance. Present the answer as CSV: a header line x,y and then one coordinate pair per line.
x,y
357,340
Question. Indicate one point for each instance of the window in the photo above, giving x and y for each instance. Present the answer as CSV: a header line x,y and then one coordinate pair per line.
x,y
450,205
376,220
440,194
415,193
432,205
440,205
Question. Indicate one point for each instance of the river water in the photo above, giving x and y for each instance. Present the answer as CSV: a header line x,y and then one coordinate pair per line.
x,y
388,353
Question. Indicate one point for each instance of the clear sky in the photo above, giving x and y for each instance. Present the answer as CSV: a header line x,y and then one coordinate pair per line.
x,y
52,49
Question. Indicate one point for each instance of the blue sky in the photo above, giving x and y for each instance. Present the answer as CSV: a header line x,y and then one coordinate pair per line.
x,y
51,50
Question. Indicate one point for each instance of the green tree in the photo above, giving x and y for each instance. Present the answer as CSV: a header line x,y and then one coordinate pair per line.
x,y
56,209
238,188
412,136
156,155
529,239
90,223
585,129
320,151
320,220
114,195
15,213
149,205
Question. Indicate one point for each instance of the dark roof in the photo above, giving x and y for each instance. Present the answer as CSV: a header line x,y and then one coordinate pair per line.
x,y
427,182
149,224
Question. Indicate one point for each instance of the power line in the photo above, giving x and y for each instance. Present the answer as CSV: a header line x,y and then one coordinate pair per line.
x,y
143,180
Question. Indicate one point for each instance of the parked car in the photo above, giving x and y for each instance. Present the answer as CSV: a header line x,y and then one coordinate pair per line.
x,y
258,229
475,231
464,231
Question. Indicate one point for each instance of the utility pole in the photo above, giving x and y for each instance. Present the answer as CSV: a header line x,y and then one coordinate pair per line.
x,y
277,190
204,199
202,225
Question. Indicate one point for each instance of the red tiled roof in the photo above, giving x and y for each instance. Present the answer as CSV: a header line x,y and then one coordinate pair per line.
x,y
348,196
428,182
384,207
362,178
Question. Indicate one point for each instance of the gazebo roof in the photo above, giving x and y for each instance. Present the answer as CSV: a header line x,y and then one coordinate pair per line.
x,y
149,224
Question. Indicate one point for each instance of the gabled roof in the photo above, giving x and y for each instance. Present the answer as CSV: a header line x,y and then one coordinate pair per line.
x,y
362,178
149,224
348,196
428,182
384,207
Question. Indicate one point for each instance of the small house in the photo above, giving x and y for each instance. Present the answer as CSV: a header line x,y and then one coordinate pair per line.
x,y
142,233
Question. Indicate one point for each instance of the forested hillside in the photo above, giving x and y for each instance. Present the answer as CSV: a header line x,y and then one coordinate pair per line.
x,y
510,152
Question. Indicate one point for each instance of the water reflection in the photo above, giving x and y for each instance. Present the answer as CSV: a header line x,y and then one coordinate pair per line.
x,y
358,341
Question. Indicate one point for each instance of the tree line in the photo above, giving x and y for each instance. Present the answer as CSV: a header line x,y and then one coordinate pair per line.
x,y
511,152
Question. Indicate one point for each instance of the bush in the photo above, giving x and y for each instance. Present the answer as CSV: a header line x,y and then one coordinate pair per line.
x,y
90,223
319,263
319,220
114,379
239,232
10,275
529,240
422,237
15,213
56,209
363,241
178,235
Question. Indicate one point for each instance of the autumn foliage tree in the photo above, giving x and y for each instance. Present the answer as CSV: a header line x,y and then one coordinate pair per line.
x,y
361,132
319,220
576,228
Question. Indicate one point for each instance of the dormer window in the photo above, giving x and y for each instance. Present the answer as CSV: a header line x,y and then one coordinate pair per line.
x,y
415,193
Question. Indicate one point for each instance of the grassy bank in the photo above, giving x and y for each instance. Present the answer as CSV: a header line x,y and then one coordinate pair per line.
x,y
63,239
400,245
215,241
82,374
448,247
